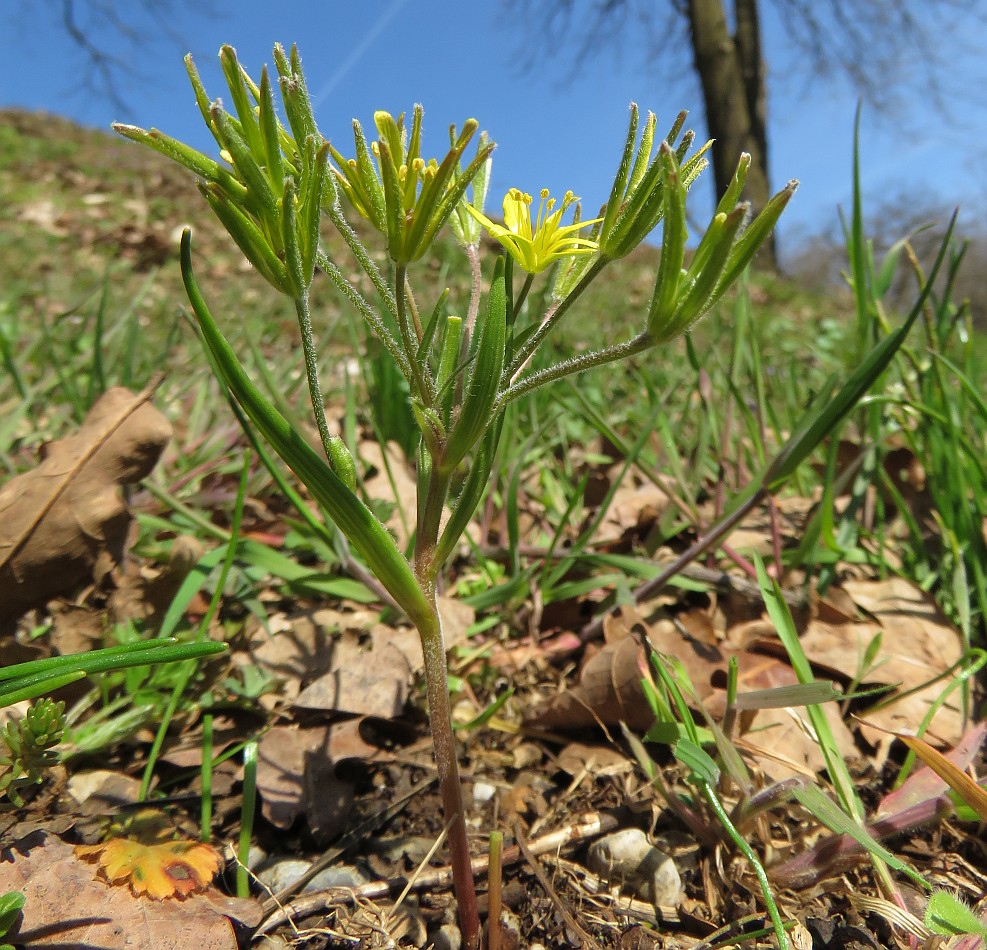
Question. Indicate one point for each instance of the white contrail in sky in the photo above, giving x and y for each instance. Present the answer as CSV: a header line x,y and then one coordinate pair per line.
x,y
357,52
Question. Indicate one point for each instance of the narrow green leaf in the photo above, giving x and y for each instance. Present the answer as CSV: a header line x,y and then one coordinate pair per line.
x,y
261,194
675,233
294,93
194,161
352,516
294,268
823,808
731,197
241,101
619,188
697,761
484,382
202,100
271,134
315,176
644,150
249,238
781,697
18,691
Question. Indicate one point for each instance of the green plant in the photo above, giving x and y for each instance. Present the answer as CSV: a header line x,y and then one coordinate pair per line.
x,y
462,371
27,747
11,904
37,677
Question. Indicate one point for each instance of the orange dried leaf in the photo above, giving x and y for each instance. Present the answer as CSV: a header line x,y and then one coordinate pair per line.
x,y
956,778
973,794
163,870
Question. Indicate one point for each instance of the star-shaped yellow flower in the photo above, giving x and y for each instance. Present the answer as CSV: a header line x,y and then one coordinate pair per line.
x,y
536,248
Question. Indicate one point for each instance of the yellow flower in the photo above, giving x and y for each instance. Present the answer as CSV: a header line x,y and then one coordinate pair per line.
x,y
536,248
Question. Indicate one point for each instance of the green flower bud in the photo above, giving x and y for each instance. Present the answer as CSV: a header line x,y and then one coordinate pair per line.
x,y
342,463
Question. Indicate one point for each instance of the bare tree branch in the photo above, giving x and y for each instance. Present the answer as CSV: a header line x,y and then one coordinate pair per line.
x,y
113,38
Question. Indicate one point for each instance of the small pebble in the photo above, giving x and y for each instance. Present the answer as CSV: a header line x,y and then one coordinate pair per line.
x,y
510,930
627,858
483,792
447,937
282,873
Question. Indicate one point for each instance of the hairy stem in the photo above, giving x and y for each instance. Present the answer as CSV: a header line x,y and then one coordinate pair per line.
x,y
368,313
363,259
476,278
579,364
421,382
551,321
312,369
439,712
450,789
523,295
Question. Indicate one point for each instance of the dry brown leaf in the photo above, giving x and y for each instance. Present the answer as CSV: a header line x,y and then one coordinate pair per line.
x,y
388,477
296,775
782,740
597,759
68,906
632,508
917,645
66,520
609,691
99,791
350,662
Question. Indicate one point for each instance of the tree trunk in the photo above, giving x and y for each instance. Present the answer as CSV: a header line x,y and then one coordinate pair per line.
x,y
731,72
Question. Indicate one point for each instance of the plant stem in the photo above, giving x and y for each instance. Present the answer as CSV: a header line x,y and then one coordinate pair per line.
x,y
312,370
553,318
439,711
363,258
522,296
577,365
368,313
738,839
420,380
450,789
476,276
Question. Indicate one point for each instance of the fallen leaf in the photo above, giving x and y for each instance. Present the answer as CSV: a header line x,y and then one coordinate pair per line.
x,y
389,478
296,775
597,759
69,906
917,645
609,691
349,662
66,520
100,791
632,509
779,739
160,870
961,783
925,785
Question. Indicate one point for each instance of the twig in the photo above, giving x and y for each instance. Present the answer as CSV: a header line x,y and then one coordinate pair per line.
x,y
591,825
570,921
719,580
355,835
622,906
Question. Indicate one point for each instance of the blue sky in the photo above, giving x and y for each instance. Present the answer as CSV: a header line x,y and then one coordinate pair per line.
x,y
555,126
